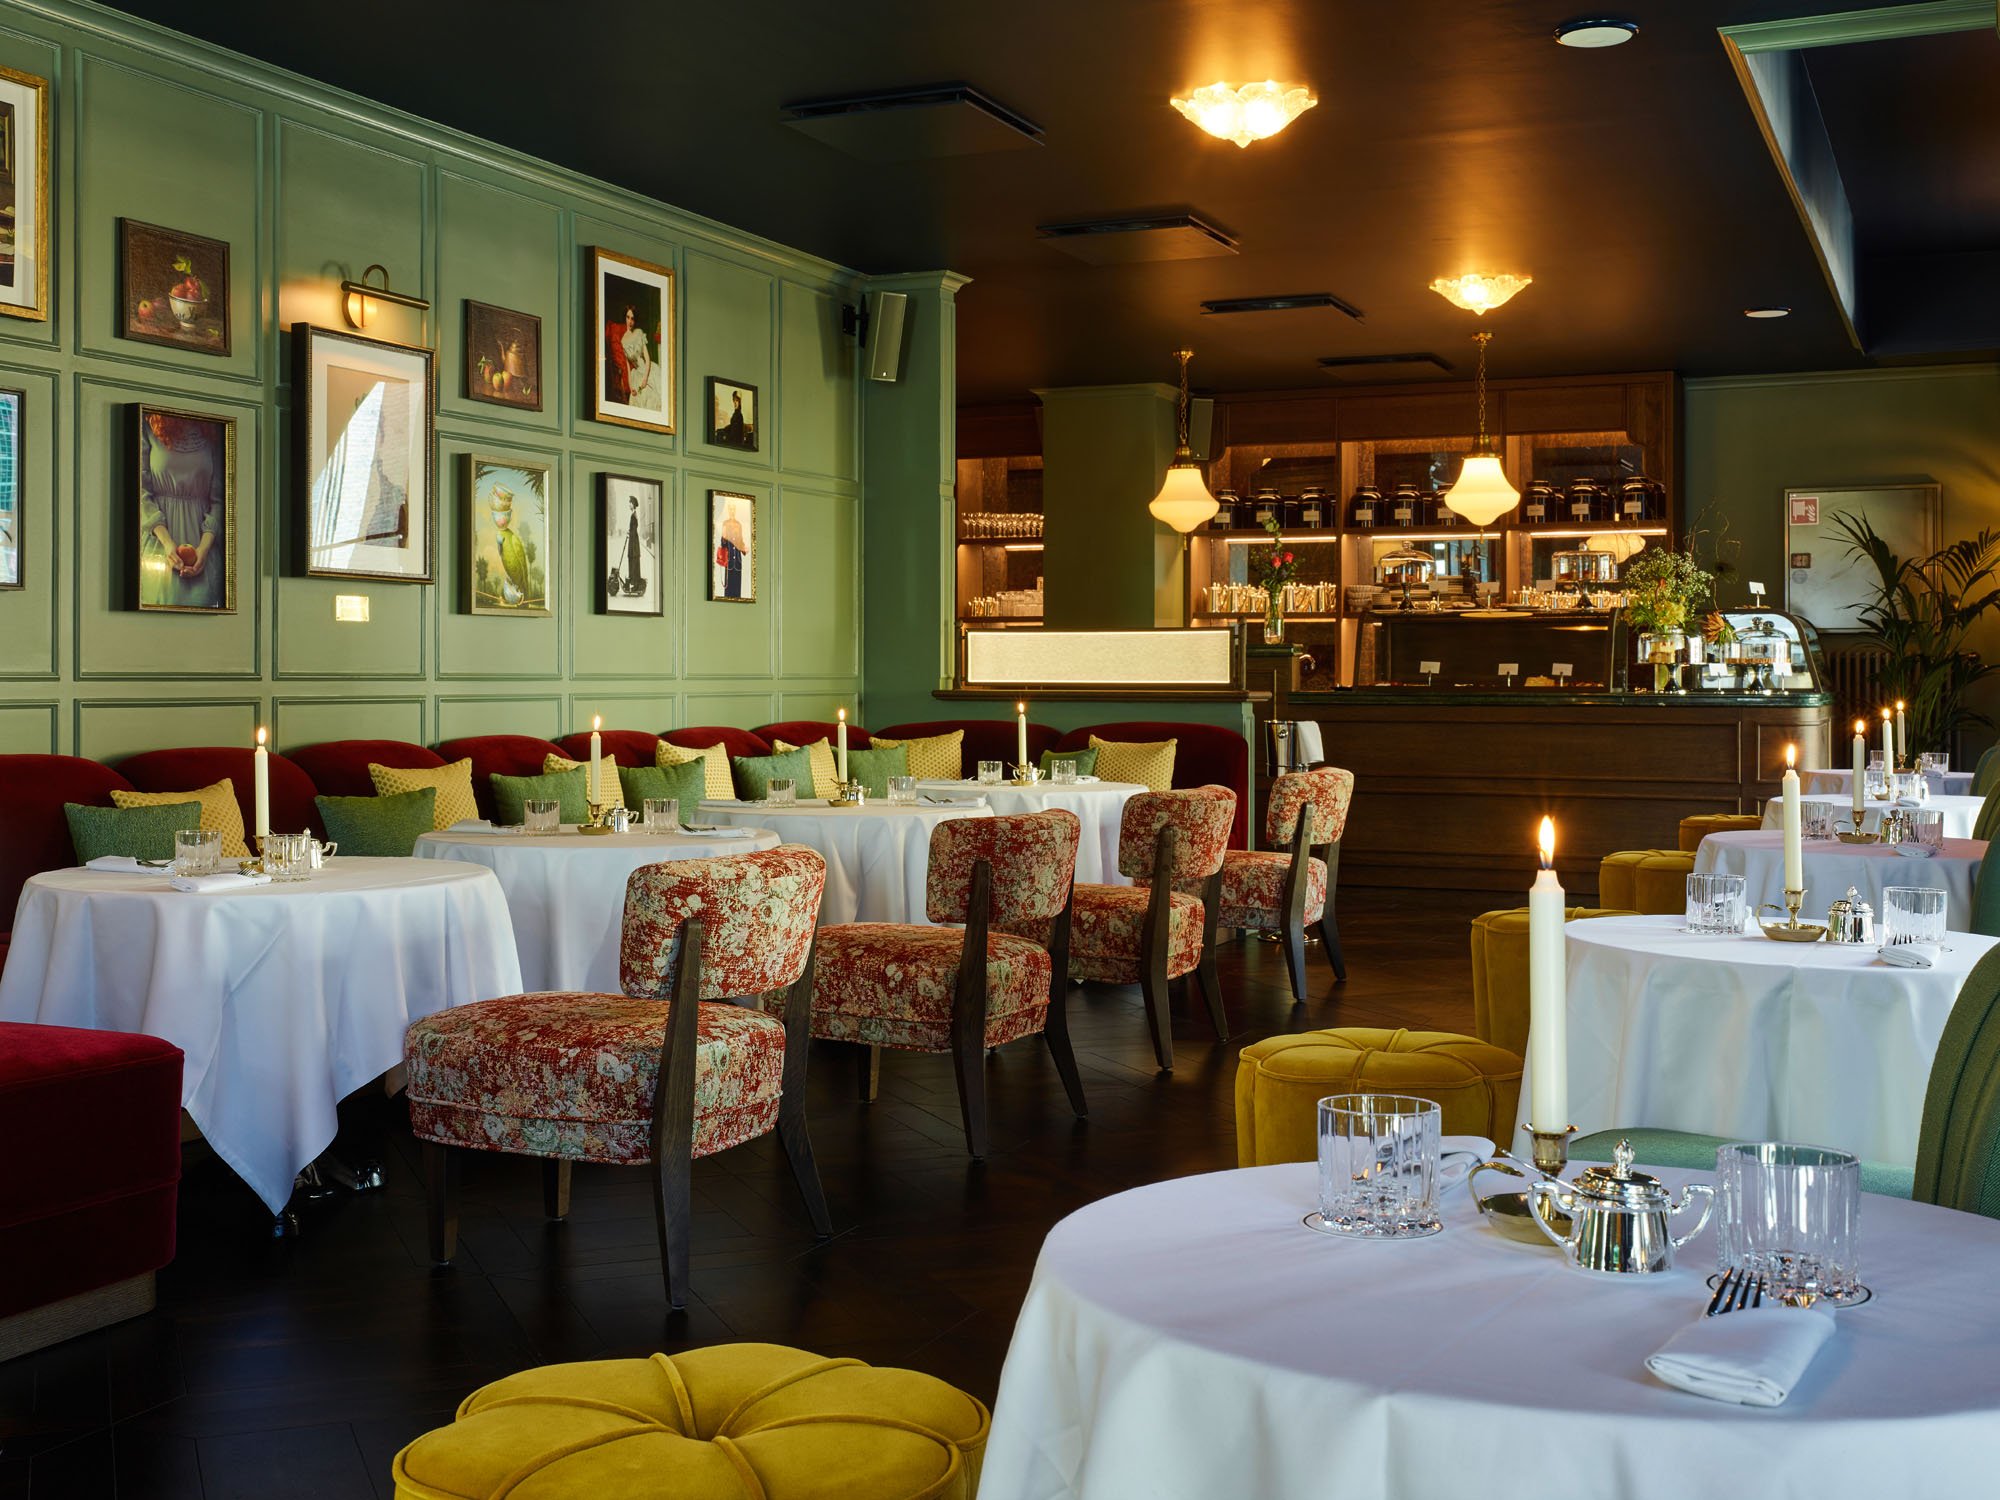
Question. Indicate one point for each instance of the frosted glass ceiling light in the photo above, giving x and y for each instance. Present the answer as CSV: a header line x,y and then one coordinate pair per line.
x,y
1482,494
1478,292
1246,112
1184,502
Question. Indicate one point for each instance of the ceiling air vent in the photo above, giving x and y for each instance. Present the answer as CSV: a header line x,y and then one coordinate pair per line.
x,y
1293,302
1377,363
913,124
1114,242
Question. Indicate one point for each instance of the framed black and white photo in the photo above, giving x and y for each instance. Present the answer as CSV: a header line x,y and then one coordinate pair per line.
x,y
732,547
732,414
631,523
364,444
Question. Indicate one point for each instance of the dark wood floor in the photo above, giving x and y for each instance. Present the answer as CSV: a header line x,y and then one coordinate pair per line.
x,y
298,1369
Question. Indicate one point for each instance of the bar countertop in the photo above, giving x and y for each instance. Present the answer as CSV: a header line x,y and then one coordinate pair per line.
x,y
1300,702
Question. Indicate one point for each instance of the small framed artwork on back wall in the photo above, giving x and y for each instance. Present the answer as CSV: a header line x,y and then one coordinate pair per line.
x,y
173,288
732,547
503,356
631,521
732,414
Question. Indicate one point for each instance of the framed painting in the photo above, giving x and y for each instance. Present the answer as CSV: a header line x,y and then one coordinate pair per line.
x,y
732,547
13,505
732,414
503,356
24,195
510,543
363,455
173,288
632,520
631,333
187,511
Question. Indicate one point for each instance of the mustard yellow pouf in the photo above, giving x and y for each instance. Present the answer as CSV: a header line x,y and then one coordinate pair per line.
x,y
1650,881
1699,826
756,1421
1280,1081
1500,972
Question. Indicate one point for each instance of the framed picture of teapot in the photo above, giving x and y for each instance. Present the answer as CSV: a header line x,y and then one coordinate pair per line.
x,y
503,356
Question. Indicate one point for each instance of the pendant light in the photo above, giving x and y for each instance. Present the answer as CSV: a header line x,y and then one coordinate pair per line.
x,y
1184,502
1482,494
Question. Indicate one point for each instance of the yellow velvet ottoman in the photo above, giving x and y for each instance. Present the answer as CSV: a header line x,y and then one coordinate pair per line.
x,y
1699,826
757,1421
1500,972
1650,881
1280,1081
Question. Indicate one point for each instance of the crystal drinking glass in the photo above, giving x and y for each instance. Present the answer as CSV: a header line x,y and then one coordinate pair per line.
x,y
1715,903
1877,777
541,816
1062,772
902,791
782,790
991,771
1378,1166
1787,1213
197,851
1912,914
1817,820
1927,828
663,814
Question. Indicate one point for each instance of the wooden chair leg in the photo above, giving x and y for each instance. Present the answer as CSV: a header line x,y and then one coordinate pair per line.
x,y
441,1200
870,1073
673,1119
1055,1035
1329,930
792,1132
968,1012
1153,937
555,1187
1211,981
1295,959
1153,985
673,1213
968,1061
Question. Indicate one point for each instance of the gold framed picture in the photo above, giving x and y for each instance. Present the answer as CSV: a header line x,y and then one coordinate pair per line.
x,y
24,195
509,536
631,335
732,547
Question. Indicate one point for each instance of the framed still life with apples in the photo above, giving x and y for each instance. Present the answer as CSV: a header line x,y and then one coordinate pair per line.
x,y
173,288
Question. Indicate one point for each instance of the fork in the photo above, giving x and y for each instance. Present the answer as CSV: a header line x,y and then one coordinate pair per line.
x,y
1734,1292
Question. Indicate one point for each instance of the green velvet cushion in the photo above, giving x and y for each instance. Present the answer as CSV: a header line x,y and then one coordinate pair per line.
x,y
384,827
1987,823
1085,760
1958,1137
568,788
1696,1153
873,768
141,832
753,774
687,783
1986,775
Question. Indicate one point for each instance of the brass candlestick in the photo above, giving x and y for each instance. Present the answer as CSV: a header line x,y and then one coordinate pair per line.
x,y
1027,775
1550,1148
1791,930
598,823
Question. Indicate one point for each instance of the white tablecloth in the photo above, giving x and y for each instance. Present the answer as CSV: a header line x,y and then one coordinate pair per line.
x,y
285,997
876,855
1960,813
1841,783
1832,867
566,892
1750,1038
1099,806
1191,1340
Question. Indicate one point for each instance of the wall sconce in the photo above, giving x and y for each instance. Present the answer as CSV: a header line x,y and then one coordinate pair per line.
x,y
356,295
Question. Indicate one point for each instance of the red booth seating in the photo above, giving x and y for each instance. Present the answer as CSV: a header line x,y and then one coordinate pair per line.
x,y
734,742
497,755
189,770
36,836
93,1118
810,731
626,747
985,739
1206,756
339,768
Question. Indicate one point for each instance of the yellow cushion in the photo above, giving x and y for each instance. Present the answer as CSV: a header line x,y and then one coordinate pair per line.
x,y
1652,881
1280,1081
1500,972
1700,825
1151,765
933,757
826,776
455,802
219,812
718,783
614,793
717,1423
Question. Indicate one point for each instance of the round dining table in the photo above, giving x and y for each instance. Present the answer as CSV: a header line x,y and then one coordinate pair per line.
x,y
1960,814
566,890
1832,868
1840,783
1192,1339
286,997
1099,807
877,855
1741,1036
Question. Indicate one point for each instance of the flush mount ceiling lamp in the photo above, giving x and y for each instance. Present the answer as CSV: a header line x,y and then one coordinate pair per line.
x,y
1478,291
1184,502
1593,32
356,295
1482,494
1767,312
1246,112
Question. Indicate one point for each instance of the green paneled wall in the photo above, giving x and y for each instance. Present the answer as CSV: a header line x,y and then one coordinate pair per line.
x,y
308,185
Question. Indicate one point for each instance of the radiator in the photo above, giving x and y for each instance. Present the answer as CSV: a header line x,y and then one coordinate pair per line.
x,y
1854,677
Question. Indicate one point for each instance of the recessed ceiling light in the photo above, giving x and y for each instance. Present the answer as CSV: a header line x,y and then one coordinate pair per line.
x,y
1246,112
1596,31
1767,312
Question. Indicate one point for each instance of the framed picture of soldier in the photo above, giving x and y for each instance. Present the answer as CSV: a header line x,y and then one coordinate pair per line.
x,y
631,333
632,521
187,511
732,414
732,547
24,195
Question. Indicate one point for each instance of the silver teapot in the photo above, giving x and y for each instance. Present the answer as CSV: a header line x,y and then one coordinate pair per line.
x,y
1620,1220
1850,919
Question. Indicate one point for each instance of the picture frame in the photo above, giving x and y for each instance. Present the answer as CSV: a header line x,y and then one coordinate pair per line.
x,y
510,551
13,502
365,415
631,342
631,532
503,356
185,492
173,288
24,195
732,414
731,560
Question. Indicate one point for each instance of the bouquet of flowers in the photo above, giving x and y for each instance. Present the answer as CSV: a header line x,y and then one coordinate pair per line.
x,y
1278,567
1664,589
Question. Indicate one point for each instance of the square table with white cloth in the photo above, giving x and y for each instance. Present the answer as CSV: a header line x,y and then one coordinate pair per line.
x,y
286,997
1099,807
1960,814
1832,867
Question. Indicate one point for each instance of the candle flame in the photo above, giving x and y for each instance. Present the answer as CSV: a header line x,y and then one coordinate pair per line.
x,y
1899,705
1885,713
1020,708
843,716
1791,756
1548,843
260,738
596,722
1860,726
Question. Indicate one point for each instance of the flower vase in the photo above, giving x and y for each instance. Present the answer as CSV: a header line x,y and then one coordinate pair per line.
x,y
1274,621
1662,649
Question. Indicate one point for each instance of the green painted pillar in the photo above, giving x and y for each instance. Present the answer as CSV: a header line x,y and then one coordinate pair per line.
x,y
1107,564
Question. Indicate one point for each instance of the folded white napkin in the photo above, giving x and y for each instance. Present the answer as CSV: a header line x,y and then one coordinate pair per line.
x,y
210,883
937,801
1911,955
125,864
1916,851
716,831
1754,1357
472,825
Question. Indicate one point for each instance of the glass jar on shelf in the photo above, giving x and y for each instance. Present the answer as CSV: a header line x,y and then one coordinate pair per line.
x,y
1436,512
1538,503
1264,507
1587,503
1365,509
1312,508
1403,506
1225,511
1635,501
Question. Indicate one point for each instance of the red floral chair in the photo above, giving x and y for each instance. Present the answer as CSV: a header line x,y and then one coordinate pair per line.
x,y
1204,755
1281,889
1152,933
963,990
659,1074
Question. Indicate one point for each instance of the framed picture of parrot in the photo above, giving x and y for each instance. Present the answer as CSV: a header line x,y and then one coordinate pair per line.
x,y
512,563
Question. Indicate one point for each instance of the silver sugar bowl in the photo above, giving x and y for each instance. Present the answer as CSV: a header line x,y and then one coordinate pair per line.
x,y
1850,919
1896,826
1621,1221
